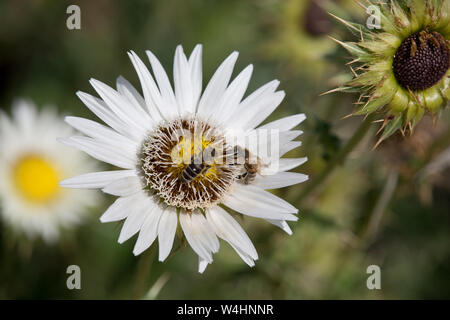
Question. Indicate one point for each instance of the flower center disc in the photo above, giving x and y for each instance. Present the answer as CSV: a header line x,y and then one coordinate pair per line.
x,y
421,60
36,179
174,164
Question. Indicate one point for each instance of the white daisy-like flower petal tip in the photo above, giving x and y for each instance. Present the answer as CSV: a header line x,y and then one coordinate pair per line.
x,y
132,224
282,225
119,210
301,117
216,86
196,52
197,236
138,251
285,164
227,228
149,230
202,264
280,180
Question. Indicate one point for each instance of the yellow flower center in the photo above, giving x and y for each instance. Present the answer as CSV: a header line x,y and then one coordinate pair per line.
x,y
36,179
184,152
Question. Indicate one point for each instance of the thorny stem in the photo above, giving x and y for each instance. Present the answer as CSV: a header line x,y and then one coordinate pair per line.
x,y
340,157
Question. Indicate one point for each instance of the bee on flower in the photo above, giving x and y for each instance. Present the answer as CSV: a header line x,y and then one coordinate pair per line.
x,y
158,140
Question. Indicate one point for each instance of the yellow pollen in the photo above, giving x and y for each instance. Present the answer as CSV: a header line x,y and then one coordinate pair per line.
x,y
183,151
36,179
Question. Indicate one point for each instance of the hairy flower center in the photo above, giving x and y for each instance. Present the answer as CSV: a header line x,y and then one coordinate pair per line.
x,y
179,163
421,60
36,179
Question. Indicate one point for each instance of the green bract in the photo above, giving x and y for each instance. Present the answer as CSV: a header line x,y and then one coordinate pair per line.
x,y
403,67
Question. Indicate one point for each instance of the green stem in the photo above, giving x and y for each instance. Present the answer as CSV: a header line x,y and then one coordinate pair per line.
x,y
142,273
339,157
376,216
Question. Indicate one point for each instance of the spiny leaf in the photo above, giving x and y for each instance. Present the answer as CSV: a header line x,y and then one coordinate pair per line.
x,y
353,48
392,126
354,28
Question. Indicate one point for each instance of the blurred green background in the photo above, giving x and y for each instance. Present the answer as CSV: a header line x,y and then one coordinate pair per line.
x,y
381,207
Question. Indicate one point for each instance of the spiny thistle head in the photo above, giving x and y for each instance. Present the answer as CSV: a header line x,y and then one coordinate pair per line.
x,y
402,68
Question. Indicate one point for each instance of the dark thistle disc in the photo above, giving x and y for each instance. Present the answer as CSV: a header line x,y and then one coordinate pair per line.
x,y
421,60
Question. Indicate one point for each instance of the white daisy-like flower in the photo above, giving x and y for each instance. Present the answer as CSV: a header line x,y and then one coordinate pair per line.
x,y
156,139
31,166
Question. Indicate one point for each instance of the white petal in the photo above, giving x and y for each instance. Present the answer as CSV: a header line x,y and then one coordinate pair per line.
x,y
286,164
244,256
123,207
281,224
287,136
279,180
246,108
257,113
183,82
166,232
286,123
96,180
207,236
133,223
229,229
120,106
124,186
289,146
216,86
99,132
202,264
152,96
149,230
103,152
195,65
170,107
229,102
99,108
253,201
125,88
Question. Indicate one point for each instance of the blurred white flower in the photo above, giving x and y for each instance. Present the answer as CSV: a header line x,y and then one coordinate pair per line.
x,y
32,163
149,137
